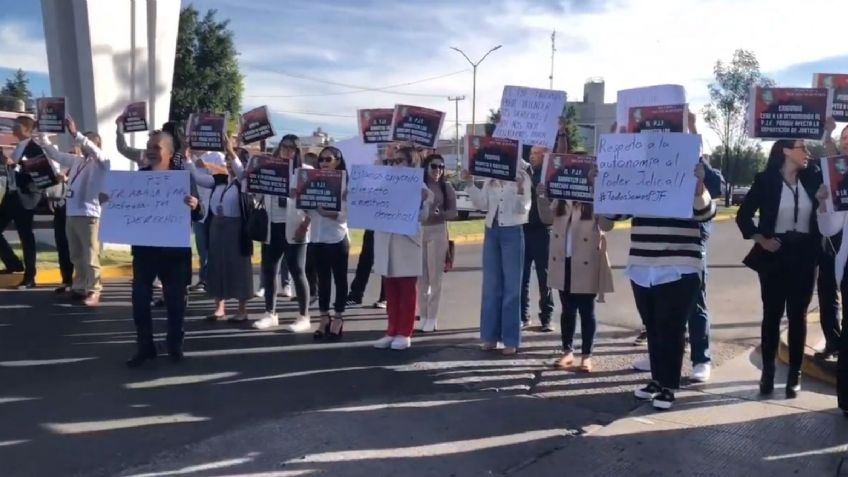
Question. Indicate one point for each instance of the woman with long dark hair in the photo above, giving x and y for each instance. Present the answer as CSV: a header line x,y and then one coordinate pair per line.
x,y
288,236
434,242
785,252
330,246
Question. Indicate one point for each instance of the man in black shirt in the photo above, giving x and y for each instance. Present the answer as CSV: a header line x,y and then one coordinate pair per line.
x,y
536,242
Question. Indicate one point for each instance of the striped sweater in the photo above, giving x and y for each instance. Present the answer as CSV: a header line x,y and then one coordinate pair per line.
x,y
661,242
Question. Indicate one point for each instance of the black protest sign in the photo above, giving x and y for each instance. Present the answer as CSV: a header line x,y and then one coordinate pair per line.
x,y
492,157
567,177
319,188
256,125
268,175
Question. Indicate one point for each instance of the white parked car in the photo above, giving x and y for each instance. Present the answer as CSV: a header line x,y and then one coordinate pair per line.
x,y
464,206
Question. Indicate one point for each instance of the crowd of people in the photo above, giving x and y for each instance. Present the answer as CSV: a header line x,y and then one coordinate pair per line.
x,y
796,241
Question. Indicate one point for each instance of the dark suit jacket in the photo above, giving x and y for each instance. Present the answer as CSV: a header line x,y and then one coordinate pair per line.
x,y
29,195
764,196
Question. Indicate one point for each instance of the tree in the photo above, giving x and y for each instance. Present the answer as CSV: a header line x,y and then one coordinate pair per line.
x,y
206,71
17,87
726,113
572,132
747,161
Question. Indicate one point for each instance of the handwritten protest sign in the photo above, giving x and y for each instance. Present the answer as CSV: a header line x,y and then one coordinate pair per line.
x,y
646,96
647,174
375,125
268,175
495,158
50,113
319,188
205,131
530,115
385,199
567,177
146,209
839,84
835,171
788,113
134,118
255,125
666,118
41,171
417,124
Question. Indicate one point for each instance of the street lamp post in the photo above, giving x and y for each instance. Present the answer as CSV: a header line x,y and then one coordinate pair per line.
x,y
456,100
474,83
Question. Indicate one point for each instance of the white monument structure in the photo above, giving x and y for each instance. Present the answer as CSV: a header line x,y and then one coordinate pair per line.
x,y
105,54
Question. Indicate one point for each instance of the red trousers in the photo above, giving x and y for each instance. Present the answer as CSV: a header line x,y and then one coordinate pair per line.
x,y
401,297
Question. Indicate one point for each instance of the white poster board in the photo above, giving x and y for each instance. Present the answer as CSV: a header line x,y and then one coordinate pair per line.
x,y
646,174
357,152
530,115
659,95
384,198
146,208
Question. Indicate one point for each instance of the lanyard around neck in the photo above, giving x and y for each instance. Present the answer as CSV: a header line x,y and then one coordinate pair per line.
x,y
795,199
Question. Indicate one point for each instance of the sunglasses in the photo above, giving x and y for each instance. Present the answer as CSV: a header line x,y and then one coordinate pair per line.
x,y
437,166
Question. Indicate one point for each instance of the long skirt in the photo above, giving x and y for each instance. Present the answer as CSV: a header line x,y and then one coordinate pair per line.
x,y
229,273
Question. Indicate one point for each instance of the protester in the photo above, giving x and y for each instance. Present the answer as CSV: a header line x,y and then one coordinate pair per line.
x,y
363,274
536,243
85,181
55,196
287,239
508,206
230,271
398,259
171,264
206,163
434,233
331,245
19,204
786,247
578,267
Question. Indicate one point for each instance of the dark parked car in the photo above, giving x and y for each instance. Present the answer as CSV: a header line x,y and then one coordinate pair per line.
x,y
738,195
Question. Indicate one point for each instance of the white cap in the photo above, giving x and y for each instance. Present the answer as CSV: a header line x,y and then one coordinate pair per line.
x,y
214,157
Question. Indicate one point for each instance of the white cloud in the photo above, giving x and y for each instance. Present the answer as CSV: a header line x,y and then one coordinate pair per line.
x,y
20,48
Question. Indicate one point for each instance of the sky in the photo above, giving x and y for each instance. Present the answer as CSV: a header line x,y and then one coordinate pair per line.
x,y
314,63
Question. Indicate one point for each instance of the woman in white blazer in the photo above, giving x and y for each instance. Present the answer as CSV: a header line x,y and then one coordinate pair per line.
x,y
399,260
508,207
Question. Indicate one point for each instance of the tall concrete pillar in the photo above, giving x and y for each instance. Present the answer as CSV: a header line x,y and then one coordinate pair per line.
x,y
104,54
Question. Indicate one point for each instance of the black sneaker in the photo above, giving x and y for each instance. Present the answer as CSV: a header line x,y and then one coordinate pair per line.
x,y
199,287
352,301
664,400
642,339
548,327
140,357
652,390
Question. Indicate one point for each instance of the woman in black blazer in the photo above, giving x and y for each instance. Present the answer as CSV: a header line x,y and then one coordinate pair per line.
x,y
786,240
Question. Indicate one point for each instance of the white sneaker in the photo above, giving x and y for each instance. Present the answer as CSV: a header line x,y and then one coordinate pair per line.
x,y
260,293
701,372
642,364
429,325
286,291
384,342
419,325
301,325
401,342
270,320
380,305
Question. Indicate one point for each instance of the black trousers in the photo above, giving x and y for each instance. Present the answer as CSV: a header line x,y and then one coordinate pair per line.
x,y
174,271
788,289
12,211
312,270
572,303
66,267
842,363
536,243
331,264
664,310
828,296
295,257
363,269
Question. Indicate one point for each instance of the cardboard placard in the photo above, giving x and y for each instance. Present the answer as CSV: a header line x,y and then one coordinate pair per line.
x,y
416,124
319,188
835,170
41,171
646,96
135,117
375,125
255,125
268,175
788,113
493,158
567,177
647,174
146,208
385,198
839,84
205,131
50,115
530,115
666,118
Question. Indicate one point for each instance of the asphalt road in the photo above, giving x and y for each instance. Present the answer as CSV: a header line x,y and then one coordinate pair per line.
x,y
275,404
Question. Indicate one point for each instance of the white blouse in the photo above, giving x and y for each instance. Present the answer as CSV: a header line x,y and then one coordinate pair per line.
x,y
786,210
226,200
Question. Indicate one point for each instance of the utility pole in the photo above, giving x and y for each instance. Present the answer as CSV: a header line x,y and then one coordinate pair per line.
x,y
456,100
553,51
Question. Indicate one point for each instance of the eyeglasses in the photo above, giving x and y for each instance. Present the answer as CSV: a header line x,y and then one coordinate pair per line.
x,y
325,159
435,166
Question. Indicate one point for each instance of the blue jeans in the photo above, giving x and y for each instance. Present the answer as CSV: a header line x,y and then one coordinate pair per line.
x,y
699,320
503,262
201,241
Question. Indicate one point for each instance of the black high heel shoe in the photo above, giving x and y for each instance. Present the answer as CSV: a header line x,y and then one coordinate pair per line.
x,y
336,329
323,328
793,384
767,381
